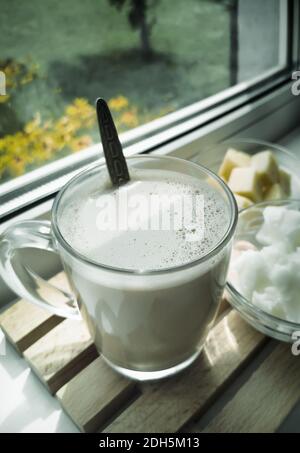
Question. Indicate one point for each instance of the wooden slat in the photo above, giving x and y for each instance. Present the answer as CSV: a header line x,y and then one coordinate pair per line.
x,y
169,405
61,353
94,395
24,323
224,306
265,399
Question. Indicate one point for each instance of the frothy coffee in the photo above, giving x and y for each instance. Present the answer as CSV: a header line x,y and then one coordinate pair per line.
x,y
148,248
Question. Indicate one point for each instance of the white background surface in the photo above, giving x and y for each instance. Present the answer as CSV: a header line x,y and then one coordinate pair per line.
x,y
25,404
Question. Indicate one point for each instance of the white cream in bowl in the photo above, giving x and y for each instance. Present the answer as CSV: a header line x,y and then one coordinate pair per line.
x,y
269,275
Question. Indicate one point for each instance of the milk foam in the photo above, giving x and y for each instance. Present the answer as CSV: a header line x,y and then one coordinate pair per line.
x,y
148,249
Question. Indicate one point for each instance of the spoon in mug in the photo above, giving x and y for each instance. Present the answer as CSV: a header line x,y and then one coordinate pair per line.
x,y
115,159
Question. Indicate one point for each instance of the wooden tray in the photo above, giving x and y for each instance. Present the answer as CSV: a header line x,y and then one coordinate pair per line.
x,y
97,399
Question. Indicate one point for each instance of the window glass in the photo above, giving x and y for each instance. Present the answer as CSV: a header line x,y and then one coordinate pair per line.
x,y
147,58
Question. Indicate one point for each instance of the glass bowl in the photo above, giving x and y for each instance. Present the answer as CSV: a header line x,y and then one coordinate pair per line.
x,y
250,220
212,158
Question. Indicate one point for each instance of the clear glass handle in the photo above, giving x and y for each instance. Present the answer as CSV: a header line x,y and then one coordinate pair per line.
x,y
23,280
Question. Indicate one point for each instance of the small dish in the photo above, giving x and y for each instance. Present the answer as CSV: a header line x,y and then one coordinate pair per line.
x,y
212,158
250,221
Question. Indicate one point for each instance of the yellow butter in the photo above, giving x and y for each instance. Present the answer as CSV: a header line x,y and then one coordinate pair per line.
x,y
242,202
266,166
246,182
275,192
233,159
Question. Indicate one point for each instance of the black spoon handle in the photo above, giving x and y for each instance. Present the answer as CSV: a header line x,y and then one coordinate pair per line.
x,y
115,160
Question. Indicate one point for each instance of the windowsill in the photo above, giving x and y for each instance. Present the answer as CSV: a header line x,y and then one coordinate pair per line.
x,y
28,406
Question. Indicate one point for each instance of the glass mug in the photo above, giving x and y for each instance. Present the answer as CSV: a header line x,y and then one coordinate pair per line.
x,y
146,325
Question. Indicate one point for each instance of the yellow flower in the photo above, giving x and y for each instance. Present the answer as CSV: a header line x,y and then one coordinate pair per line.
x,y
12,69
47,143
129,118
17,74
118,103
77,144
77,107
33,125
16,167
81,114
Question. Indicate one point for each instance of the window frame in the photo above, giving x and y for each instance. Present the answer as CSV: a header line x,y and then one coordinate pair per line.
x,y
42,184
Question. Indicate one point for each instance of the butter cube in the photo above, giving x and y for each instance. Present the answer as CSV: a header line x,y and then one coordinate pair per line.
x,y
266,166
285,181
246,182
233,159
275,192
242,202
